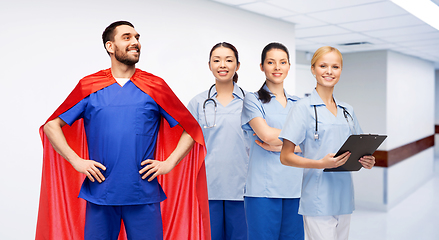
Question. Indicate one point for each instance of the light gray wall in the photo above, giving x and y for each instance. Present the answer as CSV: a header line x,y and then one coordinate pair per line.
x,y
410,99
305,81
303,58
410,117
47,46
363,85
392,94
436,97
436,101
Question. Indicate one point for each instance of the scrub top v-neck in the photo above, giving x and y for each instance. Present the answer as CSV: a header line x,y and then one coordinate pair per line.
x,y
267,177
323,193
121,125
227,149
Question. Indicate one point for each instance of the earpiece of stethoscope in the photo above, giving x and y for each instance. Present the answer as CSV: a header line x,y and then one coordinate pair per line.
x,y
346,113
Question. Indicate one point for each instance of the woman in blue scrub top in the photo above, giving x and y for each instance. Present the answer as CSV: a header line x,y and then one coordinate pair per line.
x,y
272,189
218,111
327,200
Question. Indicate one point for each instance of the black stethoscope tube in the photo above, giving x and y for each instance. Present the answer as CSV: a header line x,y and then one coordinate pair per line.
x,y
345,114
209,98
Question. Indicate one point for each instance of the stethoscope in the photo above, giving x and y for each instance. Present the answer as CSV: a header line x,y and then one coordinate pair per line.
x,y
209,98
345,113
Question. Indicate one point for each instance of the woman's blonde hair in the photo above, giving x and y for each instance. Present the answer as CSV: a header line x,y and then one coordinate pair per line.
x,y
324,50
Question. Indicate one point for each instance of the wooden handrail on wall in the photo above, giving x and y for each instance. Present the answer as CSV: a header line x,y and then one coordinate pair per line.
x,y
394,156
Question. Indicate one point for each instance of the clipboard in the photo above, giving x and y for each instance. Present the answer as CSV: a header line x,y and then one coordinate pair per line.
x,y
359,146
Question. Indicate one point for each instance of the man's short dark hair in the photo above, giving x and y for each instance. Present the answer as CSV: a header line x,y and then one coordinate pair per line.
x,y
108,34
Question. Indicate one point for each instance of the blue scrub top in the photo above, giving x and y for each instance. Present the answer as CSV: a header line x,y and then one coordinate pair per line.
x,y
121,125
323,193
267,177
227,149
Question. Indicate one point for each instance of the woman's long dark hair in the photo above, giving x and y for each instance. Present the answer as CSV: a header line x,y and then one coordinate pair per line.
x,y
231,47
264,95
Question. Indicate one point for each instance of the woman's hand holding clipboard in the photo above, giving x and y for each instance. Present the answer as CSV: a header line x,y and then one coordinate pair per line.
x,y
359,146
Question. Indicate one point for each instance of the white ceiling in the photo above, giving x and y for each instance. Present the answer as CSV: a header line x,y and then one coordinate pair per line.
x,y
336,22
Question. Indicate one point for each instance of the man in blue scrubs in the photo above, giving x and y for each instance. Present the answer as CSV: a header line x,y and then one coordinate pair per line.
x,y
121,123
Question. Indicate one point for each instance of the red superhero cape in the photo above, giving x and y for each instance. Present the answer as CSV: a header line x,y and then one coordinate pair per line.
x,y
185,212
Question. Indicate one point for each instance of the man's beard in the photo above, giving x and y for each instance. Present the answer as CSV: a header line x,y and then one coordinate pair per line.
x,y
124,58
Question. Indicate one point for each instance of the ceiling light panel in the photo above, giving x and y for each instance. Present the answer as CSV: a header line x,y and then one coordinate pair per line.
x,y
383,23
425,10
360,13
318,5
302,21
303,42
320,31
267,10
422,52
366,47
425,49
412,37
309,47
429,42
332,22
235,2
401,31
340,38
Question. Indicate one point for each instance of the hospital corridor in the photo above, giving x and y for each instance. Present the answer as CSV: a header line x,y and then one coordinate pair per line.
x,y
415,218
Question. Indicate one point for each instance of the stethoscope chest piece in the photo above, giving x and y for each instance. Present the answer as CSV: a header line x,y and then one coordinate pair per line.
x,y
316,136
